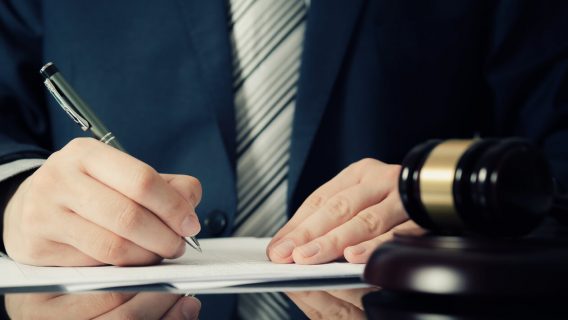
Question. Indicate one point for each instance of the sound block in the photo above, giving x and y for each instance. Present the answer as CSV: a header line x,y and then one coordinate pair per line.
x,y
470,267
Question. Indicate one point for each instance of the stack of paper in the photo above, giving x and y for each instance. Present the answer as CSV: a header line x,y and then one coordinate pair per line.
x,y
224,262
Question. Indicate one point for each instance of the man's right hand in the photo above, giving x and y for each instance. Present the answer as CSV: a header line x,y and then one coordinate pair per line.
x,y
90,204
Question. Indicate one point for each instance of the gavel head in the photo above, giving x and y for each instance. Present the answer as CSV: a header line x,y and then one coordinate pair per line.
x,y
490,187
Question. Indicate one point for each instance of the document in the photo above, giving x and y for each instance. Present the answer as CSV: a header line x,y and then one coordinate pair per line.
x,y
224,262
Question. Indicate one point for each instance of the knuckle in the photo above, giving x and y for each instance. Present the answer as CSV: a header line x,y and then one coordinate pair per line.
x,y
364,167
73,153
56,156
370,221
178,208
338,311
113,250
368,163
315,201
304,235
78,145
315,314
339,208
128,218
143,180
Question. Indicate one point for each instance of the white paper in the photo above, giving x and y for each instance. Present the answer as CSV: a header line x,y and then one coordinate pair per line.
x,y
230,260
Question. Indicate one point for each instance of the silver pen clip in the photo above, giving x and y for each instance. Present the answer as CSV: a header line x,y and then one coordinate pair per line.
x,y
85,125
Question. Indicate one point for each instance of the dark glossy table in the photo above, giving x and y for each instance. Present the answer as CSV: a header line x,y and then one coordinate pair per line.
x,y
360,303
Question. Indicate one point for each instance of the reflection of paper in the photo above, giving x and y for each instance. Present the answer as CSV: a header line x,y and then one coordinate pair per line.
x,y
235,260
284,286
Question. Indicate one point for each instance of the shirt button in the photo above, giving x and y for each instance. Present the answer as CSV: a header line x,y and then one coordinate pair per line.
x,y
215,222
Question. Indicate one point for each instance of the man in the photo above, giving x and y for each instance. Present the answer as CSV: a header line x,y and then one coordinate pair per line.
x,y
375,79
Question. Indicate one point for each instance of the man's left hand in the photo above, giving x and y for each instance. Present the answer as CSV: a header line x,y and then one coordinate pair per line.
x,y
349,216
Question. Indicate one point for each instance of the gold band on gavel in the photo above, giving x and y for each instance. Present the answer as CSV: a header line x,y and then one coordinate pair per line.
x,y
437,179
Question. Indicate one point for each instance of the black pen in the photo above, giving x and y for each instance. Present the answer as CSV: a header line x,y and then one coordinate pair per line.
x,y
80,112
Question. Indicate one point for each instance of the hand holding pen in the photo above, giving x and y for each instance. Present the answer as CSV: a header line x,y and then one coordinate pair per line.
x,y
92,204
80,112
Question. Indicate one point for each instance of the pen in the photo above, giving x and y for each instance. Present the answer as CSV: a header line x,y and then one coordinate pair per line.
x,y
80,112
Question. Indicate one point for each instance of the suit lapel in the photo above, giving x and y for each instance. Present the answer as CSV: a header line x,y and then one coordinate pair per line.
x,y
329,28
207,26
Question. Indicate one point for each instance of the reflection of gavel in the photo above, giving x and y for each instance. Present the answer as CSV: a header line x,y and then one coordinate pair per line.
x,y
490,187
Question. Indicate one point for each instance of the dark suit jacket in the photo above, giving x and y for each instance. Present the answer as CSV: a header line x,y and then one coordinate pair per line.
x,y
377,78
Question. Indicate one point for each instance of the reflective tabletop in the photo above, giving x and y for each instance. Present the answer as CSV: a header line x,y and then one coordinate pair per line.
x,y
160,302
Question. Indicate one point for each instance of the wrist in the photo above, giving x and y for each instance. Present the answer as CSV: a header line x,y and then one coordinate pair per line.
x,y
8,188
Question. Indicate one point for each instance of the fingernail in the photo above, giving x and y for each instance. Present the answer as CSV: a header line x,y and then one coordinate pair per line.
x,y
190,226
284,249
190,308
356,250
309,250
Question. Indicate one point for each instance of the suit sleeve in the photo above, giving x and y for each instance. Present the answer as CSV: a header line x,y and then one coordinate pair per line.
x,y
24,127
527,73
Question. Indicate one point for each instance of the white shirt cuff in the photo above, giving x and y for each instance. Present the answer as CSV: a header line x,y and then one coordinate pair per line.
x,y
11,169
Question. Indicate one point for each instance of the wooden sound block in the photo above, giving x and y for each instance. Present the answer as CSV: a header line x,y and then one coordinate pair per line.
x,y
462,266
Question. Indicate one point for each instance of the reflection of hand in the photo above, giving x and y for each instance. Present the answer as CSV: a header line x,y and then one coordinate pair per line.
x,y
337,304
91,204
349,216
145,305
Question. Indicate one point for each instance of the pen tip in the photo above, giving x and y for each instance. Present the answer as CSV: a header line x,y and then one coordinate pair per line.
x,y
192,242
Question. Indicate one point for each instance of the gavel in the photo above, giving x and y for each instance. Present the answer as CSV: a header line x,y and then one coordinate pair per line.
x,y
477,199
492,187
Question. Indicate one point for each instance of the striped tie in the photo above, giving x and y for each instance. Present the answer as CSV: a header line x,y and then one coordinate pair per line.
x,y
267,38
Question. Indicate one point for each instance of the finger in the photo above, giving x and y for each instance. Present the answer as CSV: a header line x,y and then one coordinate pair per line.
x,y
187,186
145,305
125,218
185,308
137,181
353,296
96,242
322,305
360,253
88,305
346,178
337,210
54,254
367,224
